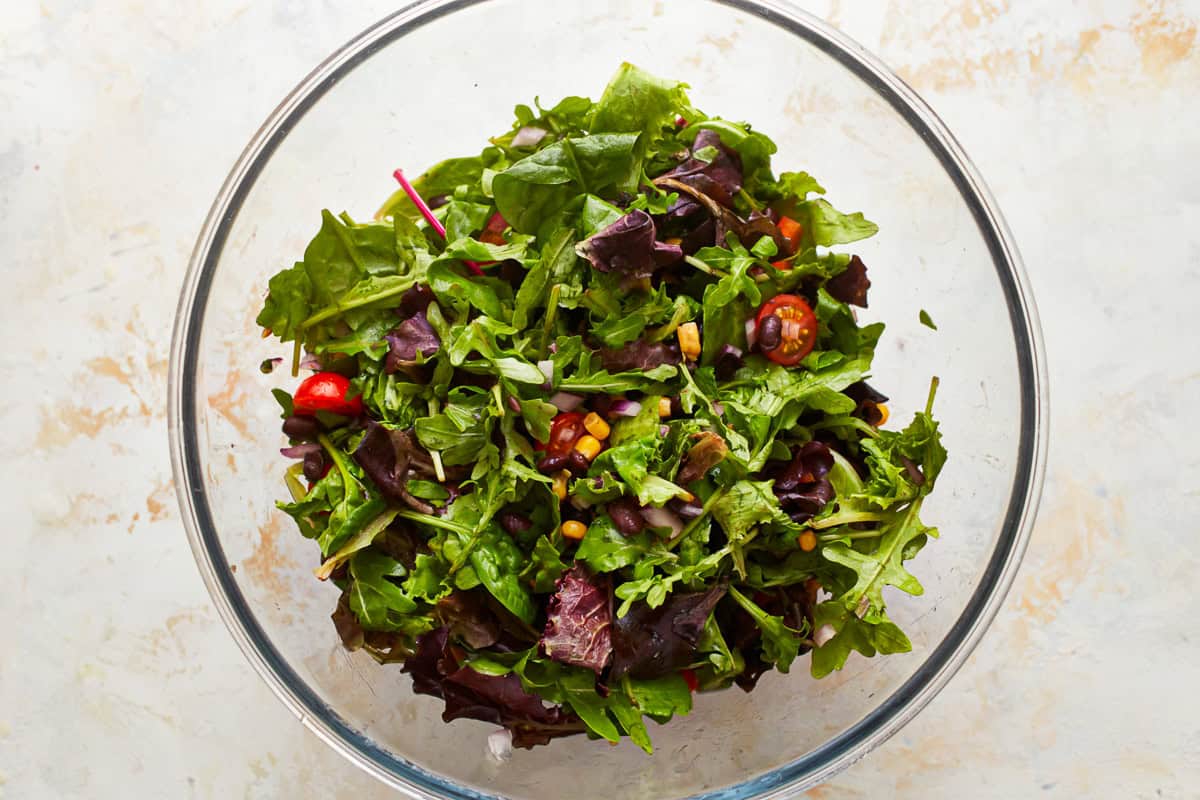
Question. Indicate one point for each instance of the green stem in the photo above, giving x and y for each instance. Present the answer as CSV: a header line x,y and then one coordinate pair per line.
x,y
551,316
837,537
704,512
434,455
434,522
665,330
845,518
339,460
700,265
754,206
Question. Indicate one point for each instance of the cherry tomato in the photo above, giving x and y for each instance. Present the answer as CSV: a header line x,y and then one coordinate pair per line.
x,y
565,430
689,677
326,391
797,331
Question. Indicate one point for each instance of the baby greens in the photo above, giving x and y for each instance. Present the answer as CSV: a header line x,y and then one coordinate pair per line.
x,y
635,457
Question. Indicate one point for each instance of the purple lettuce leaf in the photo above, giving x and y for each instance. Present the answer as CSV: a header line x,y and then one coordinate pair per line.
x,y
652,642
387,457
638,355
802,486
497,699
720,178
629,246
850,285
579,620
415,336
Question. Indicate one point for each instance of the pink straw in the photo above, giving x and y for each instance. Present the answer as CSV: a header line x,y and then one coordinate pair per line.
x,y
427,213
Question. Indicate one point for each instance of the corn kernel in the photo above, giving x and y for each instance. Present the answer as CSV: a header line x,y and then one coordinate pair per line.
x,y
673,240
559,487
689,340
664,406
883,414
807,541
572,529
588,445
596,426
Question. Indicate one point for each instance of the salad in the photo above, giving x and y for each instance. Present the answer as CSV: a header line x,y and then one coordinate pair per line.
x,y
587,429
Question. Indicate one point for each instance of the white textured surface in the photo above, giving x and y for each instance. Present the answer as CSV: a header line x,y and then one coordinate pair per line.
x,y
118,122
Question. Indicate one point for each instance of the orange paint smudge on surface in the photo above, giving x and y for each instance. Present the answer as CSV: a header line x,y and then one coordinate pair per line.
x,y
1064,547
262,567
156,503
228,403
1162,41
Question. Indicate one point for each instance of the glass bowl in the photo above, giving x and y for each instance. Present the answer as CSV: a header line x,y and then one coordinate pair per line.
x,y
432,81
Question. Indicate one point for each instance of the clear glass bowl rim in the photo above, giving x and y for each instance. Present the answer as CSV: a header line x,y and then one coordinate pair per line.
x,y
818,765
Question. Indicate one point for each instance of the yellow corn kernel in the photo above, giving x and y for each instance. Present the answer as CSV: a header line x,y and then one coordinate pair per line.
x,y
673,240
574,530
596,426
883,414
689,340
807,541
559,487
588,445
664,406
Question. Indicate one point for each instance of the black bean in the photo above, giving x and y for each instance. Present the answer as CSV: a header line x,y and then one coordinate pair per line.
x,y
551,464
515,523
578,464
303,429
770,332
314,466
626,516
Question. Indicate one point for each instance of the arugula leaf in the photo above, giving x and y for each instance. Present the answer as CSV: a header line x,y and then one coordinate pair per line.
x,y
827,226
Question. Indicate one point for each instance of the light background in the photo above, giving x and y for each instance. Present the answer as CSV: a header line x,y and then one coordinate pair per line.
x,y
118,122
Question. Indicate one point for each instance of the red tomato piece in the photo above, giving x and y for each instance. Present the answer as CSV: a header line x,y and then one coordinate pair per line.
x,y
565,430
791,230
797,329
326,391
689,677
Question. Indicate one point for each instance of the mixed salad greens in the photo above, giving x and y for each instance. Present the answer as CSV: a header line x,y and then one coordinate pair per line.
x,y
593,434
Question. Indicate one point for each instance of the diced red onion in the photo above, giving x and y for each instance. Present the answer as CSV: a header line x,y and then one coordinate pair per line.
x,y
689,510
823,634
514,404
553,348
663,430
730,350
625,408
663,518
310,361
300,450
718,409
528,135
500,744
547,368
751,332
565,401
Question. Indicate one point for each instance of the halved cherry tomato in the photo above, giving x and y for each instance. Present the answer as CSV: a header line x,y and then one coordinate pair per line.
x,y
689,677
791,230
326,391
797,332
565,430
782,264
